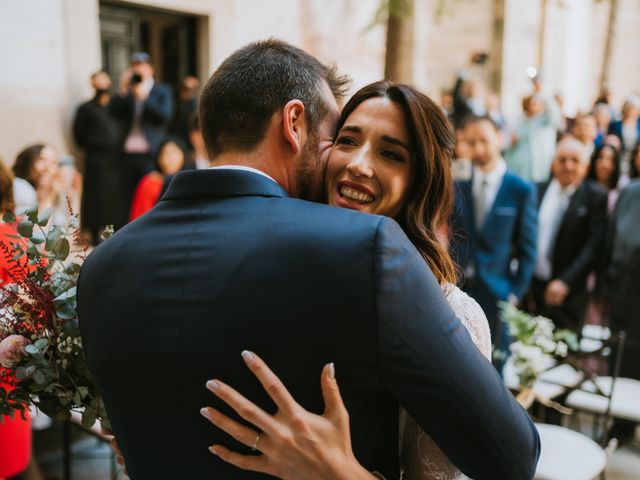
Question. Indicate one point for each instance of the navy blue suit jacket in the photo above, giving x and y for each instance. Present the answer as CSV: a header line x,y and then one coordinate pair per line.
x,y
226,261
615,128
157,113
510,231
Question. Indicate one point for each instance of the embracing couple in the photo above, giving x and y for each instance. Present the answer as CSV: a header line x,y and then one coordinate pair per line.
x,y
243,257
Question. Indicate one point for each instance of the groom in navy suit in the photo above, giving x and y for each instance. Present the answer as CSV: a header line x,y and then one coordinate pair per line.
x,y
231,258
496,235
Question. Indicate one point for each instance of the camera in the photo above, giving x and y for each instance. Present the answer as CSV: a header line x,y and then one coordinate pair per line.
x,y
136,78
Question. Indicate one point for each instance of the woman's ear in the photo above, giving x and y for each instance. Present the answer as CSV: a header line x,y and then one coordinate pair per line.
x,y
294,125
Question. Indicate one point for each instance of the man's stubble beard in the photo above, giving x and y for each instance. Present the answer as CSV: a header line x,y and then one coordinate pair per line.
x,y
311,172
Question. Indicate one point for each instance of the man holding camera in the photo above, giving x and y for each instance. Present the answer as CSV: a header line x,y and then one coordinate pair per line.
x,y
143,109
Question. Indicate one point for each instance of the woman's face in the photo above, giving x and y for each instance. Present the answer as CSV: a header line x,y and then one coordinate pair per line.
x,y
171,159
371,162
46,165
604,166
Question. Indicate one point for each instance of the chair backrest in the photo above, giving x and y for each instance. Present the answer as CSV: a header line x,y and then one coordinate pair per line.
x,y
594,382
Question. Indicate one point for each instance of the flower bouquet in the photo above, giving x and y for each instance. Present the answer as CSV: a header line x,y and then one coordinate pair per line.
x,y
41,357
536,345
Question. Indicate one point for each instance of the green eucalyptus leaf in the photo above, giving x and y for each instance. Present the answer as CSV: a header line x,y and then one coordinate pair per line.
x,y
39,377
53,236
66,295
66,311
29,370
41,343
32,349
83,391
72,328
38,238
32,214
25,228
62,249
9,217
88,418
44,217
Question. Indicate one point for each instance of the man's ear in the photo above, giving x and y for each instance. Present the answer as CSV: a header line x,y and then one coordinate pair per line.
x,y
294,125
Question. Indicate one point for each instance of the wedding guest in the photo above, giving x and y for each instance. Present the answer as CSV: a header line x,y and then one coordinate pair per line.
x,y
15,433
623,278
169,161
602,114
199,155
573,218
37,170
27,169
534,141
495,227
585,131
467,94
186,106
605,170
634,169
96,132
143,109
628,131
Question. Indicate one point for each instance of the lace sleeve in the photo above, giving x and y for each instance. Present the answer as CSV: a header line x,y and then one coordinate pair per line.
x,y
421,457
472,317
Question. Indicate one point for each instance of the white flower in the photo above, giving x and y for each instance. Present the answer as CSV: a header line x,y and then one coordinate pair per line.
x,y
561,349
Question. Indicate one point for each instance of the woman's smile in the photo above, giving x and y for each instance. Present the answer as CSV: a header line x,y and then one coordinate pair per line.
x,y
370,164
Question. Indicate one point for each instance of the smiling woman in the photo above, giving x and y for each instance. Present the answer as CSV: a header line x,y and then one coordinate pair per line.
x,y
392,157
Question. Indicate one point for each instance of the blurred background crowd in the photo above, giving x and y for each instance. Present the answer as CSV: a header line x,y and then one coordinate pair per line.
x,y
544,98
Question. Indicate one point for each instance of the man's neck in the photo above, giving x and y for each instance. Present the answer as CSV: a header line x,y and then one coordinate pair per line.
x,y
257,161
490,165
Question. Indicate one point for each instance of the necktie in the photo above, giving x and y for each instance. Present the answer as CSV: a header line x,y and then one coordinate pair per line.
x,y
481,205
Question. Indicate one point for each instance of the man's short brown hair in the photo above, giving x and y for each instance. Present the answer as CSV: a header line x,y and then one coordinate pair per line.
x,y
252,84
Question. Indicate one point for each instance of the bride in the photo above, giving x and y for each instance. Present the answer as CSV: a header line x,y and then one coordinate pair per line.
x,y
391,156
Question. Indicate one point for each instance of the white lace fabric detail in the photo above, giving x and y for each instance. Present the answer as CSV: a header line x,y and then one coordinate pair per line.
x,y
421,457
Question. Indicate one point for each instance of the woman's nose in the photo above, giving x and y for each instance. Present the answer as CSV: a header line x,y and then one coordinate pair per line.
x,y
360,166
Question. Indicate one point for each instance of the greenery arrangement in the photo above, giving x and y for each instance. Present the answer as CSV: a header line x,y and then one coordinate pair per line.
x,y
537,344
41,357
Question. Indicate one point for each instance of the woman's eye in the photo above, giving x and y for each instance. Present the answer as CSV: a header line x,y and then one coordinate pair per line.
x,y
345,141
391,155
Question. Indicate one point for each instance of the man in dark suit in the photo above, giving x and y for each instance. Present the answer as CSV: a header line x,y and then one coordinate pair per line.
x,y
495,228
573,218
95,130
143,109
231,259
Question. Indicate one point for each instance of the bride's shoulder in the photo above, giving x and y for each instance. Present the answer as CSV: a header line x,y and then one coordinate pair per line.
x,y
459,299
471,315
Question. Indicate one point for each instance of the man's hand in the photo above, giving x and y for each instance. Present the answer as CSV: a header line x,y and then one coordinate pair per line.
x,y
556,293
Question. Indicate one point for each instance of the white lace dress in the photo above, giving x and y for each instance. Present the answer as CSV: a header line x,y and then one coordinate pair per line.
x,y
421,457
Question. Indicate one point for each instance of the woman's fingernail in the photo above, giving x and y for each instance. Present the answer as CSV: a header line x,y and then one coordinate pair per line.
x,y
213,385
332,371
248,357
213,450
205,413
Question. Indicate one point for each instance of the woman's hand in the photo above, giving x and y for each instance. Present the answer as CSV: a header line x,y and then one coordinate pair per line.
x,y
295,444
116,448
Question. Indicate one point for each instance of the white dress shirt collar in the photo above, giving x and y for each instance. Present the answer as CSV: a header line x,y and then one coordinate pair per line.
x,y
243,168
493,177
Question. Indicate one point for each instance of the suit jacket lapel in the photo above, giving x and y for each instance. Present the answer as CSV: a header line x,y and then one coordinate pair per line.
x,y
466,188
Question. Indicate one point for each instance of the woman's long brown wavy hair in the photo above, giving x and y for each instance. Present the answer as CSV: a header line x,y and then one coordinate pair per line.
x,y
430,198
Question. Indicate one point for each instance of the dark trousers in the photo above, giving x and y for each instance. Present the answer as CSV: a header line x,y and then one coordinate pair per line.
x,y
134,167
